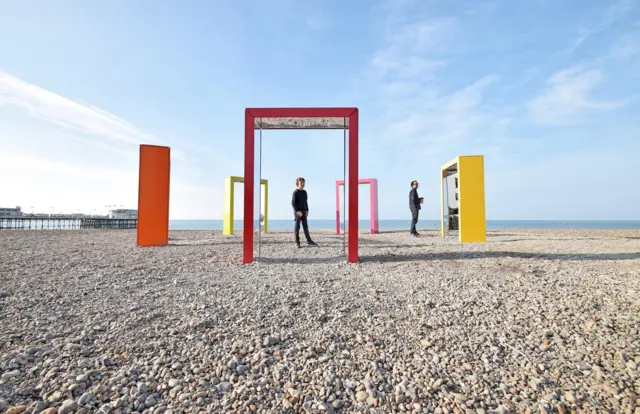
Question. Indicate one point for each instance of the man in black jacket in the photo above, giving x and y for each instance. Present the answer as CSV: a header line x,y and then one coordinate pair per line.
x,y
301,211
414,206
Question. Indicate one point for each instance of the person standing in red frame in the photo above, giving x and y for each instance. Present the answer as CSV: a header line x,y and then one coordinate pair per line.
x,y
301,212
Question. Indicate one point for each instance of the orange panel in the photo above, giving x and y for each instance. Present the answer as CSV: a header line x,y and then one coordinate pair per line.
x,y
153,196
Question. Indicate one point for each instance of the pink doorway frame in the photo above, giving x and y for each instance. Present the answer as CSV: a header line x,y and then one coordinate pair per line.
x,y
373,203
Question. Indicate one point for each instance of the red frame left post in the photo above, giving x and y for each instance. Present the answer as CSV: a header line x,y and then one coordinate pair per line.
x,y
153,196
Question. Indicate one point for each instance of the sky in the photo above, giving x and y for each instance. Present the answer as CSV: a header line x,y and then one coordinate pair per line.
x,y
548,91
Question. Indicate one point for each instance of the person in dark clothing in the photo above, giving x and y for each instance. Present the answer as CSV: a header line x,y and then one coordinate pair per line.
x,y
301,212
414,206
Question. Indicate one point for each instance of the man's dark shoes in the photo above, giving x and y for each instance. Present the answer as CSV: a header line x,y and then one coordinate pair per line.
x,y
312,243
298,245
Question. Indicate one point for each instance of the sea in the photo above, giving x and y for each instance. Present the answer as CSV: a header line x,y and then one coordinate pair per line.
x,y
424,224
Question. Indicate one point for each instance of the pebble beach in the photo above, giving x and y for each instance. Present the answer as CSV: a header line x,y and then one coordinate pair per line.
x,y
528,322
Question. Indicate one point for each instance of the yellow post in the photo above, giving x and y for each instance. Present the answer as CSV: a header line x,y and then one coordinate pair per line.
x,y
265,206
472,224
227,217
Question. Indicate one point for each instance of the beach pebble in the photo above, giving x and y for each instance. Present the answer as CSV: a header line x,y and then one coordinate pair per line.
x,y
11,374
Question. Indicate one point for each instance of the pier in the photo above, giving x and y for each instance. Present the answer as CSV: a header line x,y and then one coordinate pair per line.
x,y
65,223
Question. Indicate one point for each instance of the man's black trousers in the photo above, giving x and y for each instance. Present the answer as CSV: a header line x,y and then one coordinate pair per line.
x,y
302,219
414,220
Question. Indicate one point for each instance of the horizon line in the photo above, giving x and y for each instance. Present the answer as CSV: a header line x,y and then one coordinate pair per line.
x,y
406,219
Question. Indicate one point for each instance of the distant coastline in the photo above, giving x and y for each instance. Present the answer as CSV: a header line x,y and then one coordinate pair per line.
x,y
425,224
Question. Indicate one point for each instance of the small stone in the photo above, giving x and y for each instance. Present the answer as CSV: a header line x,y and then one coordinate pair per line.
x,y
242,369
67,407
51,410
11,374
105,409
17,409
56,396
173,382
361,396
561,408
36,407
271,340
569,397
544,345
86,398
174,391
225,387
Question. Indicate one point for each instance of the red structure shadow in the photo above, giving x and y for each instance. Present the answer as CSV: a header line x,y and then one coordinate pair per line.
x,y
300,118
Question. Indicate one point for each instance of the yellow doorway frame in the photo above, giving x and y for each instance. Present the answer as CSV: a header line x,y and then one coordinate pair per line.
x,y
472,223
227,221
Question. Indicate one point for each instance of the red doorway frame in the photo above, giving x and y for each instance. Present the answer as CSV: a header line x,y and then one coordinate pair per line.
x,y
250,115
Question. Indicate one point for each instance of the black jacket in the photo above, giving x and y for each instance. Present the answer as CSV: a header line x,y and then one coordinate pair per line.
x,y
414,199
299,201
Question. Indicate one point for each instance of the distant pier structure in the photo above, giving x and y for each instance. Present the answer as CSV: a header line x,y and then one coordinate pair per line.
x,y
66,223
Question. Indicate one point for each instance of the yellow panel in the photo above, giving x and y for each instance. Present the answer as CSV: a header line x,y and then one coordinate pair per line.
x,y
442,201
228,216
471,203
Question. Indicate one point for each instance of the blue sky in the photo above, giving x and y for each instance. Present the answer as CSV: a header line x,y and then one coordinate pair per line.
x,y
548,91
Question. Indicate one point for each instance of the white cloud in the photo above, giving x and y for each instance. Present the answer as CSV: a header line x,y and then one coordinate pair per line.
x,y
43,183
610,16
567,97
405,78
52,149
18,162
627,47
94,123
39,184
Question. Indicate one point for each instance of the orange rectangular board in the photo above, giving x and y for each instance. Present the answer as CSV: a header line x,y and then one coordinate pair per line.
x,y
153,196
